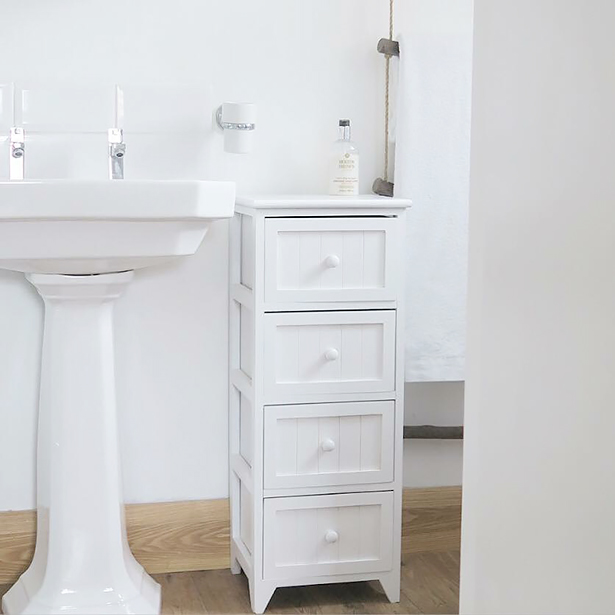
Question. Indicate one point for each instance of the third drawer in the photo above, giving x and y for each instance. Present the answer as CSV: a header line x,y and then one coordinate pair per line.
x,y
313,445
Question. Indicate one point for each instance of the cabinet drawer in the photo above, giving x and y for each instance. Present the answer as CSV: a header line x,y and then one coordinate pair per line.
x,y
330,259
328,534
329,444
329,352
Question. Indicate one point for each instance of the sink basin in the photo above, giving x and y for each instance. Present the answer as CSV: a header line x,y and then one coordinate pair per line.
x,y
78,242
85,227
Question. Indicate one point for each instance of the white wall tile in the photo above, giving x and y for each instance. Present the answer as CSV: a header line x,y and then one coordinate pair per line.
x,y
4,157
164,156
6,106
72,156
164,108
63,108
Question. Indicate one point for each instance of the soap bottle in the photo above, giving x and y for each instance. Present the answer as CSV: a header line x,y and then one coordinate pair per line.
x,y
344,164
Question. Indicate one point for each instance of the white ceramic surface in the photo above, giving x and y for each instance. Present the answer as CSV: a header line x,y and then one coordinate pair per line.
x,y
52,231
85,227
64,108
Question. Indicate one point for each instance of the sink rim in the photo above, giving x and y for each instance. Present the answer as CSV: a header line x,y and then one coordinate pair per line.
x,y
105,199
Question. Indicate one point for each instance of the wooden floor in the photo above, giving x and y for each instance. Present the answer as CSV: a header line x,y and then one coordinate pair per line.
x,y
430,584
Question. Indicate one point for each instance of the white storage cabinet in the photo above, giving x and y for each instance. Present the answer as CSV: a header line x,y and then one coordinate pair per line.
x,y
316,394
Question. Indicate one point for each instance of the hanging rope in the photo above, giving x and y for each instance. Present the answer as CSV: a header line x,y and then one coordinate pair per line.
x,y
387,79
389,48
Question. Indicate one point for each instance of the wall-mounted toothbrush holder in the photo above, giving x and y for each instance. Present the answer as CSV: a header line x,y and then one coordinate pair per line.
x,y
238,121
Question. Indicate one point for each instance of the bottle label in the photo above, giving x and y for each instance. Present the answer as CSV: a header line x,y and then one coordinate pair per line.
x,y
345,174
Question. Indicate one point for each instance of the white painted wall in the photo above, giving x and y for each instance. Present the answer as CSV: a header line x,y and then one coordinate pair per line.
x,y
433,171
432,162
305,64
539,495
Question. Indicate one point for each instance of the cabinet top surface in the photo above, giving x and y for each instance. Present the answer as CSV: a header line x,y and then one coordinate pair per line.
x,y
289,201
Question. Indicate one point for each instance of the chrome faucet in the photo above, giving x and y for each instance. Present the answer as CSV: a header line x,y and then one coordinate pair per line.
x,y
117,150
17,153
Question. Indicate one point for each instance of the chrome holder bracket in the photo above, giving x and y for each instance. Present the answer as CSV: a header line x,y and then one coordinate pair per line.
x,y
232,125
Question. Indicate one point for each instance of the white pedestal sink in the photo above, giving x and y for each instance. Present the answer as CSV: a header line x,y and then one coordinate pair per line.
x,y
78,242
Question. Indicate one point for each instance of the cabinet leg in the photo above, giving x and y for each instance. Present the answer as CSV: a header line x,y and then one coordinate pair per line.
x,y
391,585
260,595
235,566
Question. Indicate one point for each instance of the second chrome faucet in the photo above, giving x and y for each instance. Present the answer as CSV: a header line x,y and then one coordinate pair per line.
x,y
117,150
17,153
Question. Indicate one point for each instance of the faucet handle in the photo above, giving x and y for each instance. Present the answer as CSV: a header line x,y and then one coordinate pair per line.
x,y
117,147
116,135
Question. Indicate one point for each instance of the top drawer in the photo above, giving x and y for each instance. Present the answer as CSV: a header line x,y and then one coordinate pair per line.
x,y
330,259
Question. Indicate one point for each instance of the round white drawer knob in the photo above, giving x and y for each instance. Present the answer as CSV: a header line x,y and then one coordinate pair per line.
x,y
328,445
332,261
331,536
332,354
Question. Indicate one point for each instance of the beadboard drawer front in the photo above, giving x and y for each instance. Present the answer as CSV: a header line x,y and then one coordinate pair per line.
x,y
330,259
329,444
329,352
328,535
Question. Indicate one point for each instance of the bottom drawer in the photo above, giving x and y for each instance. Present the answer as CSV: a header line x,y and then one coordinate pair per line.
x,y
328,535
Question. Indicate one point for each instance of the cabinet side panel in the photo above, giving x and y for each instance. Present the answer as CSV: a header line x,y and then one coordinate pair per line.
x,y
247,251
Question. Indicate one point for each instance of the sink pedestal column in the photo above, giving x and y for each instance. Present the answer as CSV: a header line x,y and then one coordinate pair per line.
x,y
82,563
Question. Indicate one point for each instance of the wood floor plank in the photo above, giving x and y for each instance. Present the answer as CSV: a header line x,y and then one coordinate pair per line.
x,y
430,584
17,532
165,537
179,594
319,599
431,520
222,592
431,581
180,536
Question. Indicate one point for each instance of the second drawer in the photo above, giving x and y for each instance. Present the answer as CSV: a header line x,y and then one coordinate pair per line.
x,y
315,353
315,445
